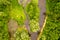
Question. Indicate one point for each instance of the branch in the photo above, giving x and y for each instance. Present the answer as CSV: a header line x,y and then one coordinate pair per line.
x,y
43,18
39,36
27,20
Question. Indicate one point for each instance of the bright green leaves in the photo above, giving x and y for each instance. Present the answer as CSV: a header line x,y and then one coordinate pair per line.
x,y
35,1
43,37
4,35
16,12
11,9
3,26
5,2
22,34
4,17
52,5
34,26
51,30
33,13
18,15
14,3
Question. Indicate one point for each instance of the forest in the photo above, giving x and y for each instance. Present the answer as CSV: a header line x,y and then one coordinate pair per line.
x,y
29,19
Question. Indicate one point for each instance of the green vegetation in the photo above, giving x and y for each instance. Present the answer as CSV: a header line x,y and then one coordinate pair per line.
x,y
34,26
33,13
17,12
22,34
52,28
3,20
11,9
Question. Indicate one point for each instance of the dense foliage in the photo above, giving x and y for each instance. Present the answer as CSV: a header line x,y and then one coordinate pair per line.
x,y
33,13
34,26
22,34
17,12
3,26
11,9
52,28
3,20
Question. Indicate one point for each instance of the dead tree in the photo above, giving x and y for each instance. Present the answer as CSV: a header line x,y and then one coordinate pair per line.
x,y
12,26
